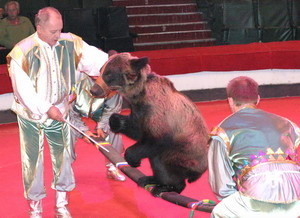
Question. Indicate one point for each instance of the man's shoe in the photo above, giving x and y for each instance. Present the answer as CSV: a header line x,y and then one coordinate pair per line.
x,y
63,212
35,209
61,205
114,173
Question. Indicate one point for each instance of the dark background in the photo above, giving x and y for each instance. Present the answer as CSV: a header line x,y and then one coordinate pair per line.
x,y
246,21
96,21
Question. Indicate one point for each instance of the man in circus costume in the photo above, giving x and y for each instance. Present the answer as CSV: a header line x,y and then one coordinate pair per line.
x,y
99,110
253,163
44,67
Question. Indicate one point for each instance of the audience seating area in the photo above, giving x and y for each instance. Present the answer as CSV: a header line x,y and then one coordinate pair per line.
x,y
96,21
246,21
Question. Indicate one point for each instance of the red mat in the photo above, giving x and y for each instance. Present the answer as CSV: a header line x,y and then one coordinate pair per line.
x,y
97,196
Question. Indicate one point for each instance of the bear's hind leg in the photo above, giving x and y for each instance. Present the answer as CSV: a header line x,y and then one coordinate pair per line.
x,y
158,188
147,180
166,180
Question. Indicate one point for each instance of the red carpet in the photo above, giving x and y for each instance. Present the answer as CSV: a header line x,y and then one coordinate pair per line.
x,y
96,196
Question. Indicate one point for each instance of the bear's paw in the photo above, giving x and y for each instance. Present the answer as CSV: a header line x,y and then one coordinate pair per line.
x,y
116,122
133,162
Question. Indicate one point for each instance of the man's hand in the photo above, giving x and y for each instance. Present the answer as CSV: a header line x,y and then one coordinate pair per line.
x,y
89,133
55,114
101,133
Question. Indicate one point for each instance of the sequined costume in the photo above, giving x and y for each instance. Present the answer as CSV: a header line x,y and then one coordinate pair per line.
x,y
253,165
99,109
42,76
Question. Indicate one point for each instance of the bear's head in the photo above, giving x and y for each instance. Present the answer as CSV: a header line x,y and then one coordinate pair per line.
x,y
122,72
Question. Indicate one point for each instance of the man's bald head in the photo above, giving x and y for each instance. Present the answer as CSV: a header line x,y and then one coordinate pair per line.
x,y
45,14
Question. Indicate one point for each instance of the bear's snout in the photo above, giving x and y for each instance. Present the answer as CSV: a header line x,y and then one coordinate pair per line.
x,y
97,91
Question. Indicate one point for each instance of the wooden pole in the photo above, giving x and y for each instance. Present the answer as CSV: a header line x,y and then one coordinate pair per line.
x,y
135,174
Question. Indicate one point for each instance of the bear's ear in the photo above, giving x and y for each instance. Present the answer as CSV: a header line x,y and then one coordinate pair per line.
x,y
111,52
138,64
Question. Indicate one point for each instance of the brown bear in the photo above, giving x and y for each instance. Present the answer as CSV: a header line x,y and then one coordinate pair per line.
x,y
167,126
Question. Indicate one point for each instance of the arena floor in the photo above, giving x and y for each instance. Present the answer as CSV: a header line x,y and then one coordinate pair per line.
x,y
97,196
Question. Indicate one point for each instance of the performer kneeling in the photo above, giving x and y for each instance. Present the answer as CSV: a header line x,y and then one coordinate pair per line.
x,y
100,110
253,165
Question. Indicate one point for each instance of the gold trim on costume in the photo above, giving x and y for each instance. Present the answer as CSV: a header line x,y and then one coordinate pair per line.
x,y
218,131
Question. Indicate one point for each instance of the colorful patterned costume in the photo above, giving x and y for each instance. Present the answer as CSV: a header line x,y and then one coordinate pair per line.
x,y
254,166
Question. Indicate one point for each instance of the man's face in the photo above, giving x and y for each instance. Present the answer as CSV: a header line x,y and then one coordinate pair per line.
x,y
50,31
12,11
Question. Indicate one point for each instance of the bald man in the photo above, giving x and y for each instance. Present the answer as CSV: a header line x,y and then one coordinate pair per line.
x,y
44,69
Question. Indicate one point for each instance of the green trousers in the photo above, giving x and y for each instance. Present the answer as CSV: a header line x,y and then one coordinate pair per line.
x,y
32,146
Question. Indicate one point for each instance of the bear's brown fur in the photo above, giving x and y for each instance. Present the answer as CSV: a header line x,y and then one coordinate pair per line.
x,y
168,127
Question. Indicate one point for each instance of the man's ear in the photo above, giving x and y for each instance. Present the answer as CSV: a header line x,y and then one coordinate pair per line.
x,y
231,104
38,28
230,101
139,63
258,99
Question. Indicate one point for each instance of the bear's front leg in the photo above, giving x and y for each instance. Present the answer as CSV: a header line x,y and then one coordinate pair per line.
x,y
117,122
124,124
135,153
131,158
